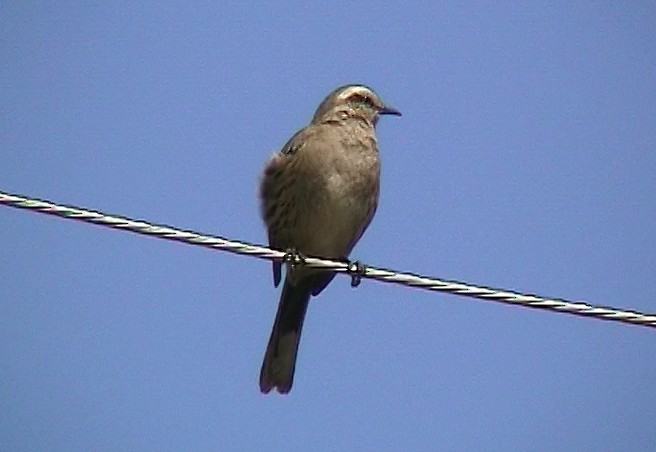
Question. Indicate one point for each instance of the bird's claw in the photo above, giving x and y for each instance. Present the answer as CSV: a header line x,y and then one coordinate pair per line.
x,y
293,257
357,270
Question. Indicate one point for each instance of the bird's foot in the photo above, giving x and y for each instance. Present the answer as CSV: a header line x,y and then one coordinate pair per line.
x,y
293,257
357,270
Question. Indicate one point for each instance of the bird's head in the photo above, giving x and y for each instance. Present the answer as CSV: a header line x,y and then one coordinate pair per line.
x,y
353,101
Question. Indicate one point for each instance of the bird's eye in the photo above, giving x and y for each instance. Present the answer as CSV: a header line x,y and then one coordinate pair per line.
x,y
360,99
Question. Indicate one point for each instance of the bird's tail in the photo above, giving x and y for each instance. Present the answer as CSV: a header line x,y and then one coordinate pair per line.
x,y
280,357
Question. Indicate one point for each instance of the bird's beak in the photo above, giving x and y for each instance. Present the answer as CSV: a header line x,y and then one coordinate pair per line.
x,y
387,110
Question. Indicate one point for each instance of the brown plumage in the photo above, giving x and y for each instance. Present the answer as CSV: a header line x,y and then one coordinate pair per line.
x,y
318,196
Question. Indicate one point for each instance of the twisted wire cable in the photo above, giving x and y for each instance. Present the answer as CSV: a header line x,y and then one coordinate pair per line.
x,y
356,270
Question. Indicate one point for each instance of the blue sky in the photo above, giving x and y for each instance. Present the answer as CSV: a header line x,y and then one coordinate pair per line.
x,y
525,159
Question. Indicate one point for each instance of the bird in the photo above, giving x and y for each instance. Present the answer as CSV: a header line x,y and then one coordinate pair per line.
x,y
317,197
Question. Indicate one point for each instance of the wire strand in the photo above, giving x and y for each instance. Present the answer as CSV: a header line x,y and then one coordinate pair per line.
x,y
407,279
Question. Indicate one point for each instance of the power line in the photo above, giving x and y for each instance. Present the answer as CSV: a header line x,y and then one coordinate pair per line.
x,y
356,271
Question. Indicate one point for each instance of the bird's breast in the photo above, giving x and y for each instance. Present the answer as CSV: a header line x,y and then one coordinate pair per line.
x,y
342,203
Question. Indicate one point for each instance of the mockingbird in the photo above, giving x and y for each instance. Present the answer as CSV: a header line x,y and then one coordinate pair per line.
x,y
318,196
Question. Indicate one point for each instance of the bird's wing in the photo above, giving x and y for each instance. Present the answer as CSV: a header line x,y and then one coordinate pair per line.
x,y
273,170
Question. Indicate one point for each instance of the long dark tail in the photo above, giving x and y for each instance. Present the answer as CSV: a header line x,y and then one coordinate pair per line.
x,y
280,357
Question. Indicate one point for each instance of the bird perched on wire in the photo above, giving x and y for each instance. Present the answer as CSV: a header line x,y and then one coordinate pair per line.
x,y
318,195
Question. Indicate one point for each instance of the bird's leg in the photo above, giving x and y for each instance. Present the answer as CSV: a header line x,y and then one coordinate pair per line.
x,y
357,270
